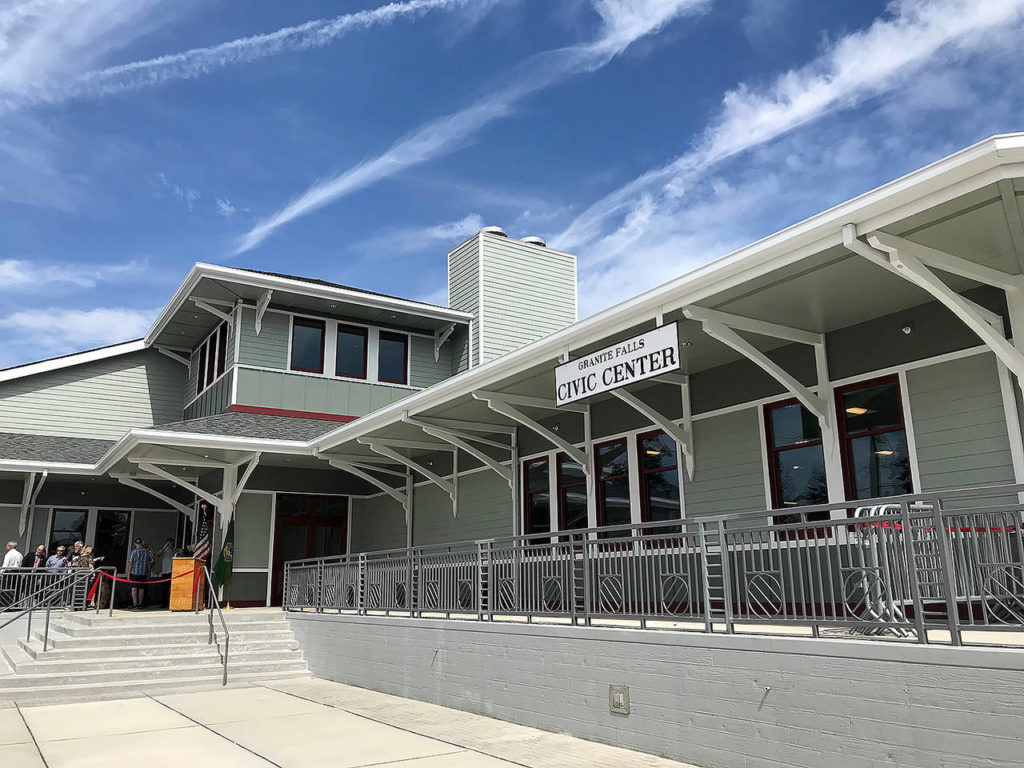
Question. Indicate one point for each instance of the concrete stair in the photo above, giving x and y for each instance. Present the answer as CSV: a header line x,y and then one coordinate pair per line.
x,y
95,656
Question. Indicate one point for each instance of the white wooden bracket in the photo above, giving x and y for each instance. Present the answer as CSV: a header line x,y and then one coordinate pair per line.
x,y
912,261
386,448
225,316
722,326
131,482
505,404
461,441
440,337
261,309
175,356
1013,218
171,477
29,494
682,436
363,471
240,485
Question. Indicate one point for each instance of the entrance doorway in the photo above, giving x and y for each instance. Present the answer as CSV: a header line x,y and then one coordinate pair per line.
x,y
306,526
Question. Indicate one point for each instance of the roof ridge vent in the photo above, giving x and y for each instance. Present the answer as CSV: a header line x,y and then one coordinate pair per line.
x,y
494,231
534,240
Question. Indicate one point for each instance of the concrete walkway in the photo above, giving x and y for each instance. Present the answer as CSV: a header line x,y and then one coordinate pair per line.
x,y
290,724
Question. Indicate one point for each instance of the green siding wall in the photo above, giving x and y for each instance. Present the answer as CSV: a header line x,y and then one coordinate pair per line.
x,y
270,348
214,400
485,511
528,292
253,520
959,424
269,389
424,371
377,523
458,349
464,286
102,399
729,472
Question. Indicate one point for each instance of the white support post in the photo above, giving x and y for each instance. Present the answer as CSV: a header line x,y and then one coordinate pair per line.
x,y
440,337
589,470
498,404
228,495
261,309
163,473
830,443
683,437
26,499
218,313
408,505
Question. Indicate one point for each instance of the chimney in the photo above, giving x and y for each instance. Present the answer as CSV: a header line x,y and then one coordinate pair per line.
x,y
518,291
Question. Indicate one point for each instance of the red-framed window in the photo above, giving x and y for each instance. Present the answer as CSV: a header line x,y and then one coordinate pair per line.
x,y
796,459
536,496
873,439
572,494
659,477
611,460
351,352
393,358
308,344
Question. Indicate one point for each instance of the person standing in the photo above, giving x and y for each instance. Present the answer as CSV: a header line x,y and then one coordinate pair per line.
x,y
39,558
57,562
166,554
13,557
139,562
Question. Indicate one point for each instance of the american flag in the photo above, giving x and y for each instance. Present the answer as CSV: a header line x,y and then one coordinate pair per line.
x,y
202,547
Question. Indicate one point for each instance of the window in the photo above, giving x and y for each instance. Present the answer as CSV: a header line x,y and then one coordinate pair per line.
x,y
876,461
796,460
69,526
211,357
572,494
613,484
351,352
659,478
392,357
536,497
308,345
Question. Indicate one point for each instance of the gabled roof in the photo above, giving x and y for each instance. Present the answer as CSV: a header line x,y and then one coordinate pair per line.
x,y
74,358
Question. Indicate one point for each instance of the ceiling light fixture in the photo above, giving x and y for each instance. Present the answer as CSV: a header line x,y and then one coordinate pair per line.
x,y
884,453
856,411
652,452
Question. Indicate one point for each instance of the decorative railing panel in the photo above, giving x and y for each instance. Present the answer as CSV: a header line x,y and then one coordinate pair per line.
x,y
903,567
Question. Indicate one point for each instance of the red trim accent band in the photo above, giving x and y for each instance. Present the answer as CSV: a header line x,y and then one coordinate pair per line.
x,y
287,412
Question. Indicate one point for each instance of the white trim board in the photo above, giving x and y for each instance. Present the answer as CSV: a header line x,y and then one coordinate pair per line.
x,y
67,361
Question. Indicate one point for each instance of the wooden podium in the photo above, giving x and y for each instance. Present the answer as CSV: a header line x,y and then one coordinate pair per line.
x,y
189,590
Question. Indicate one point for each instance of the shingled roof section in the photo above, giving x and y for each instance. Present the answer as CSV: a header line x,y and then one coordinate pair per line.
x,y
65,450
329,284
255,425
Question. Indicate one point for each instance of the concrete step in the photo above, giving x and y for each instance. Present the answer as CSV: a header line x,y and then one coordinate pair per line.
x,y
25,664
58,694
74,650
138,618
198,667
76,629
60,640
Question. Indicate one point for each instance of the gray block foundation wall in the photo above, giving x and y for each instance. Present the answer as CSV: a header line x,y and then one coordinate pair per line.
x,y
696,698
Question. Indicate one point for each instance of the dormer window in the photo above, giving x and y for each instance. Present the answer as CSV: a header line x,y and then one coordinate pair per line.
x,y
308,345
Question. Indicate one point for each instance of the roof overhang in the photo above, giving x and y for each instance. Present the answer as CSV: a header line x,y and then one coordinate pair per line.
x,y
986,163
66,361
218,283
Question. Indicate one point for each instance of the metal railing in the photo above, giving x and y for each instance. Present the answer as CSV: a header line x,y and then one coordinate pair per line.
x,y
215,604
29,590
914,567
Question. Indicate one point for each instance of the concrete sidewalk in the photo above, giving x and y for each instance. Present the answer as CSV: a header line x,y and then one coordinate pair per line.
x,y
290,724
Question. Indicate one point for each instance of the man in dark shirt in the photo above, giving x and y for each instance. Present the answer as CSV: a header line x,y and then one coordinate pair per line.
x,y
139,562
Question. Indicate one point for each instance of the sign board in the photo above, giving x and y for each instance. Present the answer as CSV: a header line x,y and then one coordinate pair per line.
x,y
627,362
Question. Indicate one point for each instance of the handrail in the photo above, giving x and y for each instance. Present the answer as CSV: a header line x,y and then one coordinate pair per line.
x,y
55,589
224,624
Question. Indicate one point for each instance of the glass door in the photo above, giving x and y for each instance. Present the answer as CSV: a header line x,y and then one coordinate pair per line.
x,y
305,527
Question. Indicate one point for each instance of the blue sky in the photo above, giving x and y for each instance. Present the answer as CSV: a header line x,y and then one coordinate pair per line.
x,y
359,141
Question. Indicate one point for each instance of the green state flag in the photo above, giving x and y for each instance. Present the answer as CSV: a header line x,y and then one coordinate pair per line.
x,y
227,555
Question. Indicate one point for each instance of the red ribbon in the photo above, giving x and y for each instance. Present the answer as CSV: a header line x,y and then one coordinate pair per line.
x,y
96,584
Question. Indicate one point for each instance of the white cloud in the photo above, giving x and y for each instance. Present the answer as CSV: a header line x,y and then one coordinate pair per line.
x,y
46,64
186,195
887,55
225,207
60,330
23,275
623,23
412,239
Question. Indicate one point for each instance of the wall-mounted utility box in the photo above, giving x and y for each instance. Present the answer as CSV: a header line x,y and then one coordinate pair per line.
x,y
618,699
